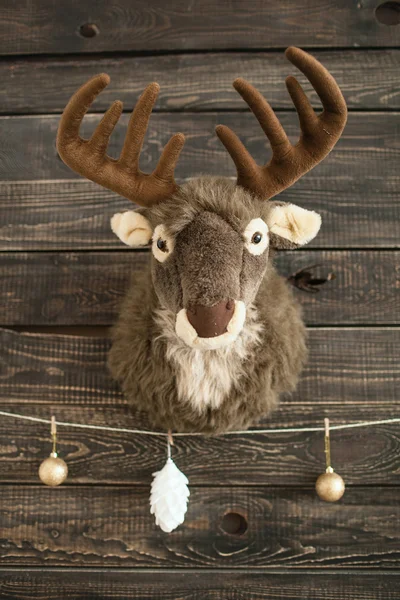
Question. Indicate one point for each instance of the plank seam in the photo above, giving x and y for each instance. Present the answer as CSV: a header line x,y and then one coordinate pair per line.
x,y
178,52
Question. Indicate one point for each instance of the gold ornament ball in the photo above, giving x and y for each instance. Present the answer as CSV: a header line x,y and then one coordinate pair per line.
x,y
53,471
330,487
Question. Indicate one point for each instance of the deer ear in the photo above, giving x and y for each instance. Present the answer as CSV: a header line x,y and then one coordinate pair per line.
x,y
294,224
132,228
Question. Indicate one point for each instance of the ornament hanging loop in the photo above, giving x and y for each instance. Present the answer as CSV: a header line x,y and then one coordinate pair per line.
x,y
54,436
170,442
327,447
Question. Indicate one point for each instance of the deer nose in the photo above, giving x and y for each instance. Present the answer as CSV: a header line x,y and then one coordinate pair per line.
x,y
211,321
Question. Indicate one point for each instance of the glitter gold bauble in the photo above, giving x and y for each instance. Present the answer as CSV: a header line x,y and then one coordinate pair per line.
x,y
53,471
330,486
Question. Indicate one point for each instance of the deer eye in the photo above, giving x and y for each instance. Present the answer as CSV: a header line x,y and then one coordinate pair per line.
x,y
163,243
256,236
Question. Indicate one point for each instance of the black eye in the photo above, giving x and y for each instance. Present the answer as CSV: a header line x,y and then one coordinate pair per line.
x,y
162,245
257,237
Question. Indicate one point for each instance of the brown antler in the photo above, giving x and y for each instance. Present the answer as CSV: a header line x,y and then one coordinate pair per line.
x,y
319,134
89,158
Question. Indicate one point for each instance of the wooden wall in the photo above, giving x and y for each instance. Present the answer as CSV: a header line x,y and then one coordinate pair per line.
x,y
63,274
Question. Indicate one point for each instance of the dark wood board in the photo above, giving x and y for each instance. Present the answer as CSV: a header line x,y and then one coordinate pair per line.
x,y
363,456
70,370
85,288
355,189
195,82
75,214
161,584
112,526
47,27
367,154
352,375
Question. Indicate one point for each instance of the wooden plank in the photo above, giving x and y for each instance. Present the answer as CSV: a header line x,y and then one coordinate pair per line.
x,y
75,214
112,526
44,27
364,456
85,288
355,189
113,584
352,375
347,366
195,82
29,153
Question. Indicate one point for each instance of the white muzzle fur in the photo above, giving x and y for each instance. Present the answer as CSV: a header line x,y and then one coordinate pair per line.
x,y
186,332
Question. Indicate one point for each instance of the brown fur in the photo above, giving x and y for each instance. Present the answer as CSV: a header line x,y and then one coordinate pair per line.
x,y
201,270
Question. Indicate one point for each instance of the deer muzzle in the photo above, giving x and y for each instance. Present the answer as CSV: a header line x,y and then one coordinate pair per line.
x,y
211,327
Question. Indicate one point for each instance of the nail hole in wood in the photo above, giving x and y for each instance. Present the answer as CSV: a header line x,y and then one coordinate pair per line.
x,y
234,523
89,30
388,13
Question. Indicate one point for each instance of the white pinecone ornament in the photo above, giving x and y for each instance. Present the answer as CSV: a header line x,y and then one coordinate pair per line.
x,y
169,496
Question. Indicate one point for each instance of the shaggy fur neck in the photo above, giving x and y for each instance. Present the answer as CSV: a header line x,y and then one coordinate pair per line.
x,y
204,378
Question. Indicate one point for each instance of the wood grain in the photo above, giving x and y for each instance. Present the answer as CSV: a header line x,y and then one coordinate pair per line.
x,y
357,367
195,82
365,456
355,189
94,537
112,526
367,153
86,288
45,27
227,584
75,214
352,375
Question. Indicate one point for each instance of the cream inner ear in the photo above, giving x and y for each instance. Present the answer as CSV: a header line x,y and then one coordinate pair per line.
x,y
294,223
132,228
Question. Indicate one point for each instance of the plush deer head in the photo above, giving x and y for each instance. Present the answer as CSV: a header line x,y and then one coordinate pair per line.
x,y
210,237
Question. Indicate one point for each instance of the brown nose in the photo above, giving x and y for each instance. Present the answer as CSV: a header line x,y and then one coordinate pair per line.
x,y
211,321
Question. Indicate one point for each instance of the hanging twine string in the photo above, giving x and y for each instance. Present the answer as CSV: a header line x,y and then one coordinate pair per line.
x,y
168,434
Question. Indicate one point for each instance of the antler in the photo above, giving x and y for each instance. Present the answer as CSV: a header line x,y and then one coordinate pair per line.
x,y
89,158
319,134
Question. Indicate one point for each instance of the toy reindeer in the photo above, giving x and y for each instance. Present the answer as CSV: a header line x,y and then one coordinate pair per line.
x,y
210,335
